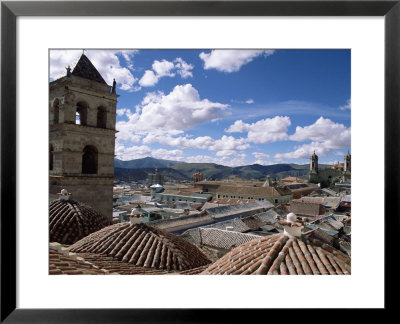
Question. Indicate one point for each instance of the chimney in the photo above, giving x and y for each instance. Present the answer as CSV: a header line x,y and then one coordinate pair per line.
x,y
64,195
135,215
292,228
267,182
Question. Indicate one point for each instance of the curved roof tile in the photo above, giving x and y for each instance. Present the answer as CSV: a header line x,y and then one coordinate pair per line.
x,y
279,254
70,221
144,246
62,262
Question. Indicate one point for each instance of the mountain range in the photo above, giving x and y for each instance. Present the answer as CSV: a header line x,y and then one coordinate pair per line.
x,y
138,169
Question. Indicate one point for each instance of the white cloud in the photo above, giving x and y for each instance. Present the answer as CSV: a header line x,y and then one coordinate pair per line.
x,y
159,117
122,111
262,158
230,60
148,79
238,127
258,155
263,131
305,151
124,133
105,61
229,143
347,106
202,159
165,68
137,152
181,109
236,160
233,160
326,136
225,143
324,130
128,55
248,101
183,68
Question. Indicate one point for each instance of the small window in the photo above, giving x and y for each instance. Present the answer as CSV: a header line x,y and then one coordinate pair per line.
x,y
51,157
81,114
89,160
101,117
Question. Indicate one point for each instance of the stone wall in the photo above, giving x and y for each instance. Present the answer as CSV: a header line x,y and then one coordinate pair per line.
x,y
93,191
69,139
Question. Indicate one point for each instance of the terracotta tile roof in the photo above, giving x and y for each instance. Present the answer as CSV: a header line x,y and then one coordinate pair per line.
x,y
321,235
85,69
311,209
194,271
69,221
279,254
293,179
119,267
143,246
224,239
63,262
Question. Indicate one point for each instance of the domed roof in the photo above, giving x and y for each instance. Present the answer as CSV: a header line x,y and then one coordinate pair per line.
x,y
69,221
280,254
143,245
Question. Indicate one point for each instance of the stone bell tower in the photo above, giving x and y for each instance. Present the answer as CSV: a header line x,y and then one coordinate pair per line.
x,y
347,168
313,175
82,136
347,162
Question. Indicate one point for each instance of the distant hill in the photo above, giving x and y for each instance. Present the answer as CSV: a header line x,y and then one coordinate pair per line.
x,y
147,162
174,170
141,174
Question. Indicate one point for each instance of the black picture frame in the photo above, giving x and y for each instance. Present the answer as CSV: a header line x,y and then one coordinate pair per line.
x,y
10,10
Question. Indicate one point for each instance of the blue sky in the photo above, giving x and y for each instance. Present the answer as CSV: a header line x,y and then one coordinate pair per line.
x,y
231,107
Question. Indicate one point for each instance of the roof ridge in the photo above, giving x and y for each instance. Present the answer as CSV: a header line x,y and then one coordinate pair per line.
x,y
85,69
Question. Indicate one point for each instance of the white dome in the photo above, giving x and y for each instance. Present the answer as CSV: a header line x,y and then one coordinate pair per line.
x,y
291,217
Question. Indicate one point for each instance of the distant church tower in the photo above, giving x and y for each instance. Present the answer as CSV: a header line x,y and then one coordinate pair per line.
x,y
347,168
313,166
347,162
314,163
82,136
